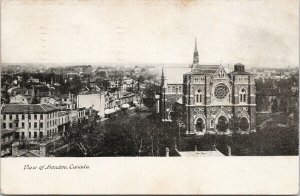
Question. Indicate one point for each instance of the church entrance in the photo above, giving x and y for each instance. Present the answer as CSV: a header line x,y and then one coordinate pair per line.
x,y
244,124
199,125
222,124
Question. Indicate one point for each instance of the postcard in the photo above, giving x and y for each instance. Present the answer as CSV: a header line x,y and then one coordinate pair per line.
x,y
149,97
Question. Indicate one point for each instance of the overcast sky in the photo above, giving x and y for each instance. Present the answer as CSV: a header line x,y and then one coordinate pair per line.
x,y
251,32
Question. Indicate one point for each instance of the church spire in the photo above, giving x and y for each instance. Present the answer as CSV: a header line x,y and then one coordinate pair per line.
x,y
196,55
162,77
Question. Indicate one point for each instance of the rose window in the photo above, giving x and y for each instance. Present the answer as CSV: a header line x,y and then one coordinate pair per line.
x,y
221,91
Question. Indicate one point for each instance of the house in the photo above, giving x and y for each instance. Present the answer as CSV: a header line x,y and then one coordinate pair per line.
x,y
113,84
127,84
52,99
21,99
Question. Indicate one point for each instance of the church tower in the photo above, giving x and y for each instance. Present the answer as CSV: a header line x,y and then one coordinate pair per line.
x,y
196,55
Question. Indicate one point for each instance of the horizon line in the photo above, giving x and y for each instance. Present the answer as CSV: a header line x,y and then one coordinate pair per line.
x,y
143,64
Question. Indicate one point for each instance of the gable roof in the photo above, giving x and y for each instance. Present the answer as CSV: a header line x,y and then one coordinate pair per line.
x,y
206,69
221,68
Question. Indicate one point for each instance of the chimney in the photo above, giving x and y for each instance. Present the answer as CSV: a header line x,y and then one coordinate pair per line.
x,y
15,147
167,152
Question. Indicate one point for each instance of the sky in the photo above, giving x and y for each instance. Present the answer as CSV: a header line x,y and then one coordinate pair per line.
x,y
256,32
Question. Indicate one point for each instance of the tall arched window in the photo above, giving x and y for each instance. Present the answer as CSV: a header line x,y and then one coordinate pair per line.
x,y
243,96
199,96
173,89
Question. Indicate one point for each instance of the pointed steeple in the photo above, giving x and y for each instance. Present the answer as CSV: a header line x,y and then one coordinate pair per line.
x,y
196,55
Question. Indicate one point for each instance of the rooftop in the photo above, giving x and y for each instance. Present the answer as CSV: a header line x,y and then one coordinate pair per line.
x,y
206,69
24,108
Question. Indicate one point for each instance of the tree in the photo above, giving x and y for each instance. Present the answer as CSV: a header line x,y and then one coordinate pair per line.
x,y
105,84
74,86
141,78
102,74
5,98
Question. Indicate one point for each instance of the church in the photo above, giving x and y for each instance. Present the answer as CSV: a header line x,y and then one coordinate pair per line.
x,y
208,98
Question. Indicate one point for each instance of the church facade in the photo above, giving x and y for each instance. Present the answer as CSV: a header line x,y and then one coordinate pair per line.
x,y
209,98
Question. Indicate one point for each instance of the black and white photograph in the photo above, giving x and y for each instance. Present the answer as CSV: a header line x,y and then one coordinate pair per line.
x,y
149,79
